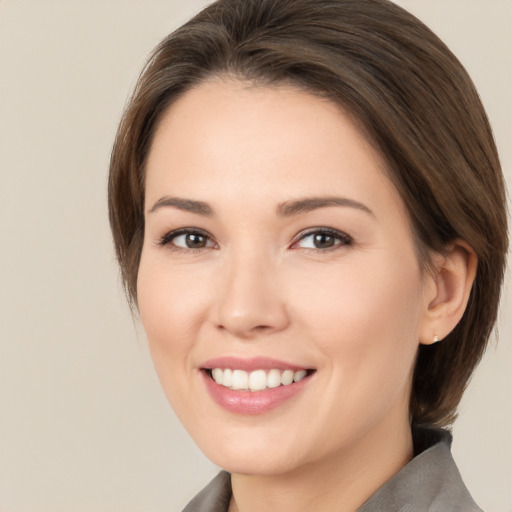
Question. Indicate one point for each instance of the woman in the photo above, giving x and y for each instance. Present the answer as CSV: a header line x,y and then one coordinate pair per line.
x,y
309,215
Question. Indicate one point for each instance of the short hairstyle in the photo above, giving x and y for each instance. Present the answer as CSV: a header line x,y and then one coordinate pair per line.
x,y
414,101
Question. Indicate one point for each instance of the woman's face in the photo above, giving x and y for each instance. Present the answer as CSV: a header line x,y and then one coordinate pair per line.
x,y
276,246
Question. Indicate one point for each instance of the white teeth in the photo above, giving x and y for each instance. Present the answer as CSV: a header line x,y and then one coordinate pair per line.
x,y
257,380
217,374
227,379
273,378
299,375
287,377
240,380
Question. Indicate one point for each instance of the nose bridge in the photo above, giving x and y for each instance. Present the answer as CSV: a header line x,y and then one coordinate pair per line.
x,y
249,301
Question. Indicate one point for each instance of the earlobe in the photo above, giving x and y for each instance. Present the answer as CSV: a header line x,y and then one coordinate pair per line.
x,y
452,279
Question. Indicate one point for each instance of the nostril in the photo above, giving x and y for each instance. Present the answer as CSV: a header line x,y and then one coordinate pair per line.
x,y
262,327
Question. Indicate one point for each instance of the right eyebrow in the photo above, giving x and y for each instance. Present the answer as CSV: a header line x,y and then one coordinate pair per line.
x,y
308,204
188,205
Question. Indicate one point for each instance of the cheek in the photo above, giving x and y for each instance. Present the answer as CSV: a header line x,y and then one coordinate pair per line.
x,y
364,319
168,296
365,326
171,311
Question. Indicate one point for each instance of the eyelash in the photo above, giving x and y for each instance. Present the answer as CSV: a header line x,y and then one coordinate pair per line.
x,y
342,239
169,237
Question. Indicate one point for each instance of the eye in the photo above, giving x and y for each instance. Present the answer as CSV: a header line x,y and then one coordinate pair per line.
x,y
323,239
187,239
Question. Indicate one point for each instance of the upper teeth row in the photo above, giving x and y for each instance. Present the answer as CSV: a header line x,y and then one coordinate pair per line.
x,y
257,380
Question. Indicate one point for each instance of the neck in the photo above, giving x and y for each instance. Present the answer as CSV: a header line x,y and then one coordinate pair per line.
x,y
343,481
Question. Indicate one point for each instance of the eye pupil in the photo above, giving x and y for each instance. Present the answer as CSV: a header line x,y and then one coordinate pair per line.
x,y
323,240
194,240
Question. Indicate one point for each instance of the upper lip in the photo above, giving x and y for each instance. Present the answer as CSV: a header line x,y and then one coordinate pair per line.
x,y
250,364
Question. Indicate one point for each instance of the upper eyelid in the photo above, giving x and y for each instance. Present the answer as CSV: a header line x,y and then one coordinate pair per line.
x,y
330,231
170,235
174,233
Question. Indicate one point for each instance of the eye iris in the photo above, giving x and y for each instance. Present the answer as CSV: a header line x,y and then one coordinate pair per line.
x,y
195,241
323,240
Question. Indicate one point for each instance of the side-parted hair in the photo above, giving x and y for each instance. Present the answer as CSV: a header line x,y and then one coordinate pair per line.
x,y
414,101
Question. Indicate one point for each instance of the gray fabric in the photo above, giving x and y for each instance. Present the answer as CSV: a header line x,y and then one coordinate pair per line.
x,y
431,482
215,497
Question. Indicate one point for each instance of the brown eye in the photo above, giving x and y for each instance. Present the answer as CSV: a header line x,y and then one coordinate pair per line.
x,y
195,240
187,239
323,239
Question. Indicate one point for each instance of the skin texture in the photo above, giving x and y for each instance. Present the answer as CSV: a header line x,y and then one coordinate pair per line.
x,y
354,312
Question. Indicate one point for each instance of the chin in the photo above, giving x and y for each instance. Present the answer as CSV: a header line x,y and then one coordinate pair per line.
x,y
260,465
251,454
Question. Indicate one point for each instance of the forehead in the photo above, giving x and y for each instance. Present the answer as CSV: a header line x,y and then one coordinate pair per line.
x,y
240,139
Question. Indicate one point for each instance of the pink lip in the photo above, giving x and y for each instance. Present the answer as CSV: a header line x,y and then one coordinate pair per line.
x,y
251,402
250,364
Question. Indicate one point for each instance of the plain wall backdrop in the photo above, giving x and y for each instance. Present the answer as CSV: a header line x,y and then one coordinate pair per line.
x,y
84,425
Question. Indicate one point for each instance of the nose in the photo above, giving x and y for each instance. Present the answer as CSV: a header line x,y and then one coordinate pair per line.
x,y
249,302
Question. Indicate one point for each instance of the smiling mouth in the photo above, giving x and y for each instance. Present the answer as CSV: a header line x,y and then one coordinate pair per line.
x,y
257,380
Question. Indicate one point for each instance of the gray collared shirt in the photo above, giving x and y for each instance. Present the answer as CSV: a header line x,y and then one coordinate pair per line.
x,y
431,482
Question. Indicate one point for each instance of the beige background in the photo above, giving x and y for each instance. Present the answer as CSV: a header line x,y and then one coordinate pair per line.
x,y
83,423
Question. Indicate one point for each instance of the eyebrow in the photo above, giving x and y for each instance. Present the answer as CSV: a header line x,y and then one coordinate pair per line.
x,y
308,204
188,205
286,209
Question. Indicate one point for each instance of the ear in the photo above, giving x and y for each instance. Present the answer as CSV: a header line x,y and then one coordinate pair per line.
x,y
451,282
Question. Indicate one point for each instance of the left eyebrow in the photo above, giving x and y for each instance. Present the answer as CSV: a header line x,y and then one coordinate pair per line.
x,y
188,205
289,208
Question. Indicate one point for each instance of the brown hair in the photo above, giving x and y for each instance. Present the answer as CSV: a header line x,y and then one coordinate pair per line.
x,y
414,100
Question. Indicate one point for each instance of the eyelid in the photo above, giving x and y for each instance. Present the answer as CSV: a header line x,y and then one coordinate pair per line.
x,y
344,238
168,237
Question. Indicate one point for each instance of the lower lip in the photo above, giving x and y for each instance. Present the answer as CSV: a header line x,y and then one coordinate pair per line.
x,y
252,402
